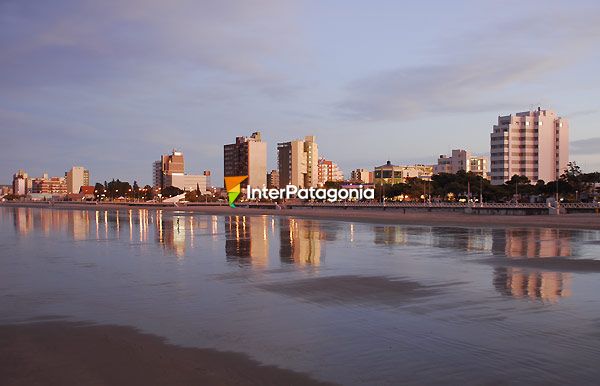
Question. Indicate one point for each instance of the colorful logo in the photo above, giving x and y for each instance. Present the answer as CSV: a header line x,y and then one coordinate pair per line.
x,y
232,185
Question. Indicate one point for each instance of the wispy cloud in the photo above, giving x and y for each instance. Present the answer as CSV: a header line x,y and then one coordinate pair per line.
x,y
478,71
589,146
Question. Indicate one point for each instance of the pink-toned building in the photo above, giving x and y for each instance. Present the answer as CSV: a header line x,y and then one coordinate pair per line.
x,y
531,143
328,171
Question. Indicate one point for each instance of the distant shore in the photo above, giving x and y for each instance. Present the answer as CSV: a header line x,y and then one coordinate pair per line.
x,y
566,221
67,353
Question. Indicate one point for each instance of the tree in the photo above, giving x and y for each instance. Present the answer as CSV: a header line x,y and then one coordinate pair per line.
x,y
148,193
136,189
171,191
573,176
117,188
99,191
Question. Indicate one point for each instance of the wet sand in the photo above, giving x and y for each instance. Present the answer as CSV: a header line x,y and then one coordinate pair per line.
x,y
354,289
390,216
557,264
68,353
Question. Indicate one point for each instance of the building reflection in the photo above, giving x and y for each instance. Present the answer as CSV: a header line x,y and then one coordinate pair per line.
x,y
74,223
520,283
390,235
532,242
301,241
246,239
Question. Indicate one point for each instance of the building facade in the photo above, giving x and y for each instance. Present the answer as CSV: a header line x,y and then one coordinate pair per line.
x,y
273,179
298,162
247,157
20,184
362,176
49,185
462,160
77,177
328,171
398,174
534,144
168,165
187,182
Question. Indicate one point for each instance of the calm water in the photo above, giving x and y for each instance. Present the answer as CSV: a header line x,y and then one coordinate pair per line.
x,y
347,302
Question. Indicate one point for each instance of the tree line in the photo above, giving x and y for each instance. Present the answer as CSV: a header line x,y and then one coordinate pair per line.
x,y
572,186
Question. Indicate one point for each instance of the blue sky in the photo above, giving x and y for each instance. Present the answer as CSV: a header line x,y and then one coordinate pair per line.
x,y
111,85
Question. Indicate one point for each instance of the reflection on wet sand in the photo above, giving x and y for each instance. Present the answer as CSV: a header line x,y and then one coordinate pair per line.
x,y
300,241
520,283
247,238
74,223
532,242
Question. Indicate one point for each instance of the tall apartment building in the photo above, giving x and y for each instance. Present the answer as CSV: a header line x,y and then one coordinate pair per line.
x,y
247,157
462,160
77,177
273,179
20,184
169,164
298,162
531,143
362,175
329,171
208,174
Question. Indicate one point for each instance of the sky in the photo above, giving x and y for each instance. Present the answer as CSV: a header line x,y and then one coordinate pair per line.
x,y
112,85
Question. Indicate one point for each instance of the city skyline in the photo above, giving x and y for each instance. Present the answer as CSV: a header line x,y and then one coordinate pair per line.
x,y
105,86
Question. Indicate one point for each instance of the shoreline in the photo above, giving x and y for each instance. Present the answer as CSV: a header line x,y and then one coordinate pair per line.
x,y
78,353
454,219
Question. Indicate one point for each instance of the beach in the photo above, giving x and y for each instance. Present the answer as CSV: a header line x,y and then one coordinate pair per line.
x,y
118,295
68,353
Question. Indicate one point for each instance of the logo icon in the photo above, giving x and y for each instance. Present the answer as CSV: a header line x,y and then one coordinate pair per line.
x,y
232,185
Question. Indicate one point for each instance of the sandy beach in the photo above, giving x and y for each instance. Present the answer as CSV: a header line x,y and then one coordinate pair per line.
x,y
390,216
67,353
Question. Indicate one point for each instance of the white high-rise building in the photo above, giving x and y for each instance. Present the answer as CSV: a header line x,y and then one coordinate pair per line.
x,y
534,144
77,177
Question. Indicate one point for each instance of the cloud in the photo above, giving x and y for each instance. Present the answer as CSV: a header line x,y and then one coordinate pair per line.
x,y
582,113
75,42
587,146
478,71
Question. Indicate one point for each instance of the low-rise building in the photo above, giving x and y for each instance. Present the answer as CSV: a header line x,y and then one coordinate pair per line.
x,y
462,160
396,174
50,185
5,190
187,182
361,175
